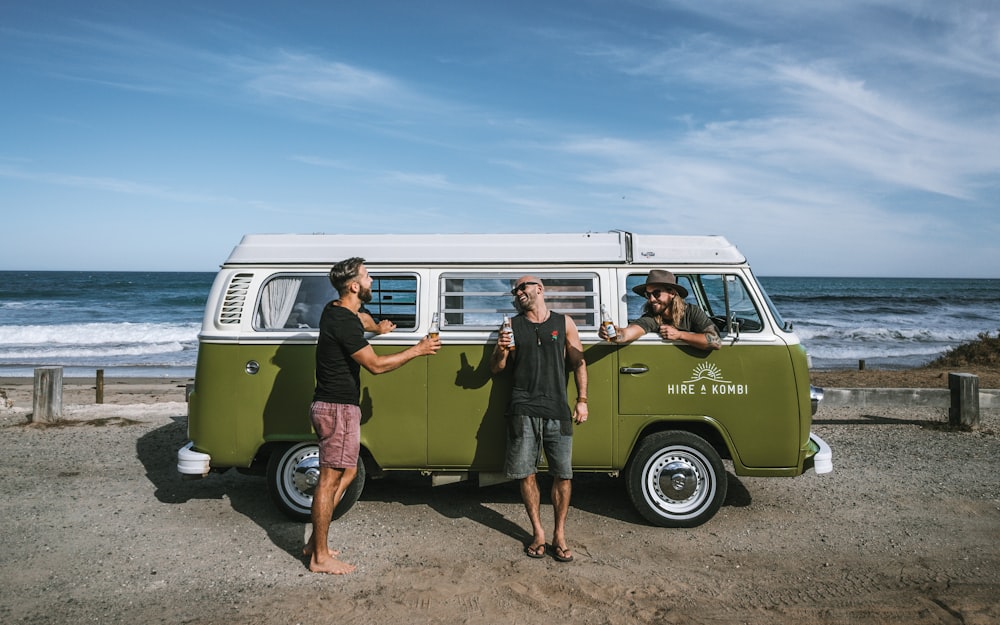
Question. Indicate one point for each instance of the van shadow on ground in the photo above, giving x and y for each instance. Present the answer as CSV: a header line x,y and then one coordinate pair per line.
x,y
247,494
594,493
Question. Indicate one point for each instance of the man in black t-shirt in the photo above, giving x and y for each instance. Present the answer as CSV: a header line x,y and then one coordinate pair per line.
x,y
335,412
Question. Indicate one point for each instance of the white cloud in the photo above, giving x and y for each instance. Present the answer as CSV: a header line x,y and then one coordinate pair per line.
x,y
329,83
113,185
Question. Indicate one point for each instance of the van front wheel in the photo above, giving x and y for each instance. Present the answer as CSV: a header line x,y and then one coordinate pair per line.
x,y
676,479
292,475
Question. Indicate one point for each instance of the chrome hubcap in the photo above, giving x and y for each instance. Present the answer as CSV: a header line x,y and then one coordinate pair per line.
x,y
678,480
305,473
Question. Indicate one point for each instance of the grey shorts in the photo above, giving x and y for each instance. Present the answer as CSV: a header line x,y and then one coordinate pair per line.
x,y
528,436
338,427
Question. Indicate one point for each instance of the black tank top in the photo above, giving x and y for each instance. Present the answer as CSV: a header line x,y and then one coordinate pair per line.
x,y
540,368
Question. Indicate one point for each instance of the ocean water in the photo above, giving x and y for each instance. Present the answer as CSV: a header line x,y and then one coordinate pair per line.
x,y
890,323
146,324
131,324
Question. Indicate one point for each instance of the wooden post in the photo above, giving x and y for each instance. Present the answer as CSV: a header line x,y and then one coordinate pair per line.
x,y
47,405
964,410
861,365
100,387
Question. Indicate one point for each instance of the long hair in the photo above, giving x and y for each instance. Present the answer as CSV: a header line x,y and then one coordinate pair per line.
x,y
672,315
344,272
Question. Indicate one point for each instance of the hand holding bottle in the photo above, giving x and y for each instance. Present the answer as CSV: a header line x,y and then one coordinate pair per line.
x,y
506,338
608,330
435,330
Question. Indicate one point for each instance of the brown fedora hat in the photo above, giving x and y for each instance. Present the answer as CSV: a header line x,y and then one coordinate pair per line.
x,y
660,277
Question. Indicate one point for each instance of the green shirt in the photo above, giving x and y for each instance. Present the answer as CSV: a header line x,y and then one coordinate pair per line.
x,y
694,320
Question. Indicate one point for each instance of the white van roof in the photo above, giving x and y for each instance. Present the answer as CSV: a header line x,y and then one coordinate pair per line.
x,y
616,246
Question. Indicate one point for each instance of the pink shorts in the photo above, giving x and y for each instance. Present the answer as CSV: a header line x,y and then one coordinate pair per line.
x,y
339,429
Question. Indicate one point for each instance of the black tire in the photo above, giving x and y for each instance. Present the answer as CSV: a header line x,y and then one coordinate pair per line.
x,y
676,479
292,474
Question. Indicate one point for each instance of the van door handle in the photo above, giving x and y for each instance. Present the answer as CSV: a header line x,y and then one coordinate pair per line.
x,y
640,369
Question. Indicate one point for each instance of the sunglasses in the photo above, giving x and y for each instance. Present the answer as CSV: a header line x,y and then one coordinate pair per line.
x,y
654,294
517,289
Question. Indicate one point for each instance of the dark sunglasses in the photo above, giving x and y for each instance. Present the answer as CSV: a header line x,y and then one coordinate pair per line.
x,y
654,294
517,289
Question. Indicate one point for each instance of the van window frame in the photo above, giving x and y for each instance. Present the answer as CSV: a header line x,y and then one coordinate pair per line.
x,y
314,308
748,323
377,300
698,295
498,300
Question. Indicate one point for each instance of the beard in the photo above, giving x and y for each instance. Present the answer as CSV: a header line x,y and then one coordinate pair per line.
x,y
365,295
524,306
655,308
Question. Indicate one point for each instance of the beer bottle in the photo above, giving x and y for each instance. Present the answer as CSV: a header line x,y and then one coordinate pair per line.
x,y
508,330
607,323
434,330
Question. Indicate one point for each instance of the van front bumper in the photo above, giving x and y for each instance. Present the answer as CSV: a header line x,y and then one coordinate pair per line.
x,y
822,459
192,464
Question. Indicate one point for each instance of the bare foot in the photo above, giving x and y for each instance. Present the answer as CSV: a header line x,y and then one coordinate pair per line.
x,y
307,551
331,566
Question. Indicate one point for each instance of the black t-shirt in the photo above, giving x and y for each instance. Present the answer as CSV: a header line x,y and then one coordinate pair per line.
x,y
338,376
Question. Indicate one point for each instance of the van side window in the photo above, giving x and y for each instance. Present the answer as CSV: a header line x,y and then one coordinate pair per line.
x,y
479,301
394,297
292,302
295,302
709,291
636,303
742,309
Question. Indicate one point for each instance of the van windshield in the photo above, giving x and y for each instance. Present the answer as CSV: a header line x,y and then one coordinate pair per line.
x,y
783,325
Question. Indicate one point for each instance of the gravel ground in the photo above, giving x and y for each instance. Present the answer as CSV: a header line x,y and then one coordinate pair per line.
x,y
99,528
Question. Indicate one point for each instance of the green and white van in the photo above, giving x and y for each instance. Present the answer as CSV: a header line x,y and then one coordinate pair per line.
x,y
663,415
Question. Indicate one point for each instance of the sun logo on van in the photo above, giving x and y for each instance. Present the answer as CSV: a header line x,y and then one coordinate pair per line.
x,y
706,371
706,380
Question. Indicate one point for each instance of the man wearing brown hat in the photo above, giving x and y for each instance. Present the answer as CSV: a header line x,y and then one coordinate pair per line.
x,y
667,314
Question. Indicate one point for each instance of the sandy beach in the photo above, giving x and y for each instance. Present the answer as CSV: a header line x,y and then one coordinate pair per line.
x,y
924,377
100,528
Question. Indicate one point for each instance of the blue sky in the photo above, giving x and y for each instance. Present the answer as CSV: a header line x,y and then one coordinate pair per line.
x,y
842,138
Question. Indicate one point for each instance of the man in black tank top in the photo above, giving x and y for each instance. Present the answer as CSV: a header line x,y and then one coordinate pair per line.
x,y
539,416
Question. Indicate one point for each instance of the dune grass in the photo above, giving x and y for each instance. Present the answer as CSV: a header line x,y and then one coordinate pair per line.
x,y
983,351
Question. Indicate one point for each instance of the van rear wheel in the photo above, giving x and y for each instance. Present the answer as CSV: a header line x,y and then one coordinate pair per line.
x,y
676,479
292,476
